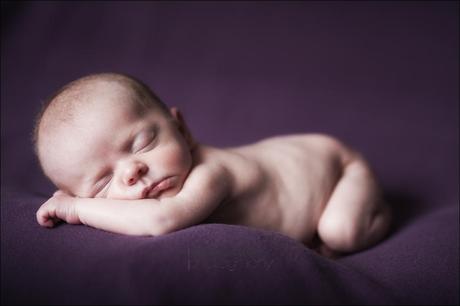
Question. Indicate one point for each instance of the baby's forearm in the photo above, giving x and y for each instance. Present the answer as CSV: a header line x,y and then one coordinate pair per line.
x,y
130,217
149,217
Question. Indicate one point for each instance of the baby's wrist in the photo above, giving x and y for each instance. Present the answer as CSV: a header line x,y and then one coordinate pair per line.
x,y
72,210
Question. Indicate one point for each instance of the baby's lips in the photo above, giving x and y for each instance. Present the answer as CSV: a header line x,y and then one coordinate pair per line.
x,y
165,184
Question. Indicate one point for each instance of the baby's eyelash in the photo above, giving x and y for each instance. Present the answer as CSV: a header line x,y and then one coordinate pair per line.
x,y
145,139
103,183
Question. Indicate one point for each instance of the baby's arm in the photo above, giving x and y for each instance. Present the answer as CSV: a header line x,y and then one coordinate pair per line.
x,y
205,188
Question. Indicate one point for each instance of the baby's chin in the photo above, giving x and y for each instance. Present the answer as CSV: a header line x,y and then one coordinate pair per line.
x,y
168,193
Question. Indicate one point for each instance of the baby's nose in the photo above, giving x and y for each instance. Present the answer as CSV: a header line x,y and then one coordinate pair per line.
x,y
134,172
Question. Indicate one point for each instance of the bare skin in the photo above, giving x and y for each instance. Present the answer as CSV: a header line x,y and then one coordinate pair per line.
x,y
145,175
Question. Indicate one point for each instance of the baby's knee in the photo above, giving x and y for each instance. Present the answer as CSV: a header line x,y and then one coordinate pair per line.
x,y
339,234
350,235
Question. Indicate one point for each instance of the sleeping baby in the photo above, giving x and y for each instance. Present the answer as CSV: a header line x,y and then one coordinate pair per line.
x,y
125,163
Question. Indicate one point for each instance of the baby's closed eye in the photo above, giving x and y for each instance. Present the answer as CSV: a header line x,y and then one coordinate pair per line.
x,y
144,141
102,185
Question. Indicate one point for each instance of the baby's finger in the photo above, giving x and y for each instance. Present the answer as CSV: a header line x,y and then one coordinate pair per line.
x,y
43,219
46,222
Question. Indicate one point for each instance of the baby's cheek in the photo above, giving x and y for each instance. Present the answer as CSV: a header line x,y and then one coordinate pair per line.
x,y
176,159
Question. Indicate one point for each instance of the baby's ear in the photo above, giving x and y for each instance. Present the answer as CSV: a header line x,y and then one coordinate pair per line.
x,y
182,126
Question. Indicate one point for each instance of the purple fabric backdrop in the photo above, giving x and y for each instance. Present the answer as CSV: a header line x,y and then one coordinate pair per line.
x,y
382,76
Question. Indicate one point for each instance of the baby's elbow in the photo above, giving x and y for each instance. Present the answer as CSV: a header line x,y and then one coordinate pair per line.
x,y
160,225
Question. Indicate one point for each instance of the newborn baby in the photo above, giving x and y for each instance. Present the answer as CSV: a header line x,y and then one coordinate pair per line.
x,y
125,163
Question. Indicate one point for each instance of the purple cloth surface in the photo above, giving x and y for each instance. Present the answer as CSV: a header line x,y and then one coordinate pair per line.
x,y
381,76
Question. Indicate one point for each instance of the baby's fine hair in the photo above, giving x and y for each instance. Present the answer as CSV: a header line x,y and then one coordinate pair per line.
x,y
63,97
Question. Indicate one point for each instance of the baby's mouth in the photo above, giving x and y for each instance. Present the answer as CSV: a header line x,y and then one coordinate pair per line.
x,y
157,188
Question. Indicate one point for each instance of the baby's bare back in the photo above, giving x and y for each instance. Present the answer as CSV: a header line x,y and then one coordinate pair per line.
x,y
282,183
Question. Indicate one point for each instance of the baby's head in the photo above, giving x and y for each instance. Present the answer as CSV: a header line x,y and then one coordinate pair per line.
x,y
108,135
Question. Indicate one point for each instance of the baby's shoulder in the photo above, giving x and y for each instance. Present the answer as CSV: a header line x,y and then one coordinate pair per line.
x,y
207,177
210,164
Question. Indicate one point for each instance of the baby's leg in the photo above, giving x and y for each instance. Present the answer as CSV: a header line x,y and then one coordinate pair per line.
x,y
355,216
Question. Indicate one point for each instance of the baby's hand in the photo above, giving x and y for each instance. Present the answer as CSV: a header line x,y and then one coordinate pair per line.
x,y
60,206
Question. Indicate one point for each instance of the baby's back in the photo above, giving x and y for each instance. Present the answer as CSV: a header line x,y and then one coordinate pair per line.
x,y
282,183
